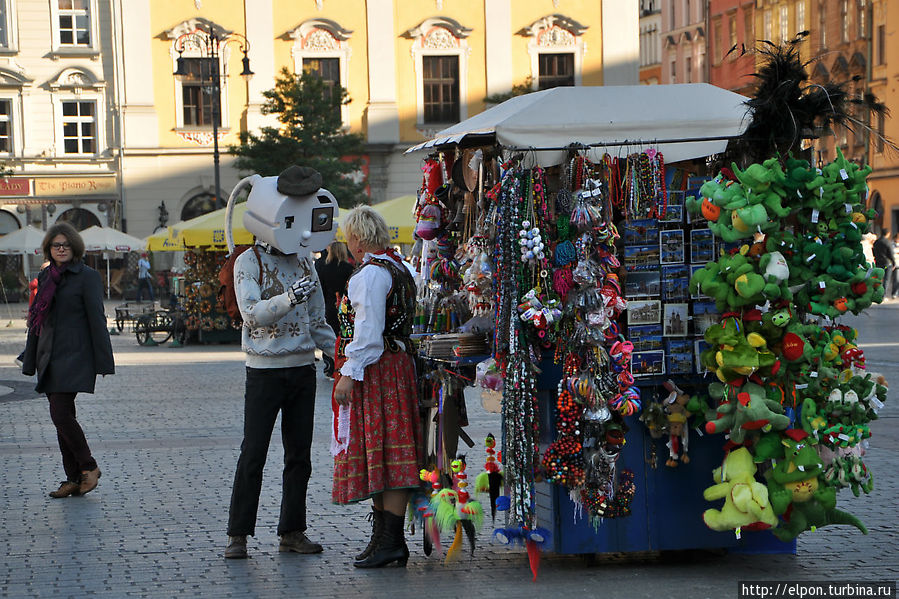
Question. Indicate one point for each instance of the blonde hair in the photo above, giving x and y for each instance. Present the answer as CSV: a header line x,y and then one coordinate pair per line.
x,y
337,252
367,225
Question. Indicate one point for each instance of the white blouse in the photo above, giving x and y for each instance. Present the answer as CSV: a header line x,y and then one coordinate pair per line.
x,y
367,292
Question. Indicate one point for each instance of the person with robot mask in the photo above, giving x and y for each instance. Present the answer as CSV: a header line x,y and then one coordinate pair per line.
x,y
282,306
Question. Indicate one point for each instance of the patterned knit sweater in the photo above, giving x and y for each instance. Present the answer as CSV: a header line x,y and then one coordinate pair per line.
x,y
276,334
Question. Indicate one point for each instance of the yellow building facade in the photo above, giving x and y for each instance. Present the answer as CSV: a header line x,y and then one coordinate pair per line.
x,y
411,68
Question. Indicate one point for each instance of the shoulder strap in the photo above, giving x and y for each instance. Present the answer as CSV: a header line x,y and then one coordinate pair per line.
x,y
259,260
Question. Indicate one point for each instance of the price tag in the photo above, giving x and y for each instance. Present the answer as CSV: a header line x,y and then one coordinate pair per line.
x,y
843,436
810,258
868,274
799,193
814,374
854,226
876,403
802,386
844,174
821,285
848,208
815,214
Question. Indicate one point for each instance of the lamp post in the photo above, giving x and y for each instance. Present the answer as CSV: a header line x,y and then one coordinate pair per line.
x,y
209,44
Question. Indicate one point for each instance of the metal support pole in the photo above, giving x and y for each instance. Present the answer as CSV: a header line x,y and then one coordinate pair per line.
x,y
216,113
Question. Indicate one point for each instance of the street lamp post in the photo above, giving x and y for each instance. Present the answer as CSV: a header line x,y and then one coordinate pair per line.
x,y
209,45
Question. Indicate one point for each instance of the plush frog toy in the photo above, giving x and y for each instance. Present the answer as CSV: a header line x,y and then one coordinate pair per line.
x,y
746,504
745,410
796,491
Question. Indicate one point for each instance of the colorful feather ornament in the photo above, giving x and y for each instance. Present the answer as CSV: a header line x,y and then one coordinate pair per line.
x,y
428,510
534,540
490,481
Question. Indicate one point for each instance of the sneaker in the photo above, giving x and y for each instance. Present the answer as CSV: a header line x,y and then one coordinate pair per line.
x,y
89,480
237,547
65,489
297,542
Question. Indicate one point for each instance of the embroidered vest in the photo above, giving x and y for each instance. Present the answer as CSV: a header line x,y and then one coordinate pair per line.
x,y
399,310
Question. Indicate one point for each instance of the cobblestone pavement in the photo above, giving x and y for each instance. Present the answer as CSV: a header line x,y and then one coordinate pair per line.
x,y
166,431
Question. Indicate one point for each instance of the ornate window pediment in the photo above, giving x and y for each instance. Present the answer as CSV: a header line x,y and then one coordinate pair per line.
x,y
75,79
319,34
13,78
439,33
840,65
192,25
556,26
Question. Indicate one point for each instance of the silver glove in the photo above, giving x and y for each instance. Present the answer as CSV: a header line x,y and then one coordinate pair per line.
x,y
300,291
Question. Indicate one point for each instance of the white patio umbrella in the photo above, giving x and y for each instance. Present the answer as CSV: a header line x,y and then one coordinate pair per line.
x,y
26,240
107,239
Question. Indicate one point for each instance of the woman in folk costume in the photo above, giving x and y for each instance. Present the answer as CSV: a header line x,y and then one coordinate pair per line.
x,y
376,424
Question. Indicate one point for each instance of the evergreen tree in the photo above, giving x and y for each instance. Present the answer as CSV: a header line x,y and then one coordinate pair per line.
x,y
310,134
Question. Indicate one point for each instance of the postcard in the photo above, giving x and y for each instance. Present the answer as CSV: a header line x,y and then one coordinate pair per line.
x,y
676,319
644,312
671,244
642,284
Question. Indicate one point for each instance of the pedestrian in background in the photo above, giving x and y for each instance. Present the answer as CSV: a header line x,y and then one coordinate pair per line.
x,y
334,268
883,258
68,346
376,425
144,280
895,290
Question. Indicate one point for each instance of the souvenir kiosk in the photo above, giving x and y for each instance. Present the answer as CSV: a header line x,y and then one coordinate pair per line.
x,y
582,228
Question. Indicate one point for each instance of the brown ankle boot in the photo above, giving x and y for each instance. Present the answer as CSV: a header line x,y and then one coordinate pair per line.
x,y
89,480
65,489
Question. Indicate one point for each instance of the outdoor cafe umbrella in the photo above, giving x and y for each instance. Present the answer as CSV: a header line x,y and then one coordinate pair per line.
x,y
107,239
26,240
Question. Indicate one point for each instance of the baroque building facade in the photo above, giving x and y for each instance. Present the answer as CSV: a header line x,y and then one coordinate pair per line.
x,y
96,119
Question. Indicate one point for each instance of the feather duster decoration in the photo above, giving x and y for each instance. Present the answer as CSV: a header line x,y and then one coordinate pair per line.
x,y
491,479
787,107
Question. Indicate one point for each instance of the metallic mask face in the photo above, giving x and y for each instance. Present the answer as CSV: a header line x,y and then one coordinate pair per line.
x,y
289,223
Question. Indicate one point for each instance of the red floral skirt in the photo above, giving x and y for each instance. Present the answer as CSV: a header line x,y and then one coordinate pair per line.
x,y
384,432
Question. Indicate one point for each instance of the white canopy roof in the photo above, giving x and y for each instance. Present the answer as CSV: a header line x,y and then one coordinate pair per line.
x,y
110,240
640,115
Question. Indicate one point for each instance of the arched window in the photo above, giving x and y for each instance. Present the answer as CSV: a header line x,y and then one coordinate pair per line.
x,y
79,218
8,223
202,203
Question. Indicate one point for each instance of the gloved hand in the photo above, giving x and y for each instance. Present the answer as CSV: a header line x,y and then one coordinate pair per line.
x,y
300,290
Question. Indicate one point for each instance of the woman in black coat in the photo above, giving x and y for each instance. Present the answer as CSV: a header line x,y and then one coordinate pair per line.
x,y
68,346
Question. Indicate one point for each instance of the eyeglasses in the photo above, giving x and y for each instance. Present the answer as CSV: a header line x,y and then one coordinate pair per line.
x,y
61,246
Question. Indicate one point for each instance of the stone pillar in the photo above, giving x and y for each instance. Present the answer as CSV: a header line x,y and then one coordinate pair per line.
x,y
381,112
498,19
620,42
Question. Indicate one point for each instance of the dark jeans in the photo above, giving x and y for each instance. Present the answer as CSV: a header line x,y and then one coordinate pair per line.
x,y
76,455
145,284
268,391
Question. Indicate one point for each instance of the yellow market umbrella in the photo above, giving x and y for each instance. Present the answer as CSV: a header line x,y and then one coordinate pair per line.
x,y
208,230
398,213
163,241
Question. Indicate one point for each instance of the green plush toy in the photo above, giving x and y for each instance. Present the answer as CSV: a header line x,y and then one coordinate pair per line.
x,y
849,471
745,410
746,504
795,483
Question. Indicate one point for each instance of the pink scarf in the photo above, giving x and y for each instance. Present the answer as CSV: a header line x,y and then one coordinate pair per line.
x,y
40,307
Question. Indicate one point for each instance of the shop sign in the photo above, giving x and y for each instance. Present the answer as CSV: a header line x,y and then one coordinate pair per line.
x,y
81,186
14,186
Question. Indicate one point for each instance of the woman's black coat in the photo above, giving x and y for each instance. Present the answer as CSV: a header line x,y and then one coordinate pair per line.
x,y
73,347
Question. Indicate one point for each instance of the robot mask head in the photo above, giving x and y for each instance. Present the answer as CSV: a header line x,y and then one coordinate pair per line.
x,y
292,224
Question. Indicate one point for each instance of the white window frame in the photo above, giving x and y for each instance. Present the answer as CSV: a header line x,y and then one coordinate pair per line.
x,y
439,36
323,38
12,84
200,135
76,84
784,23
79,120
556,34
768,25
9,23
93,49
